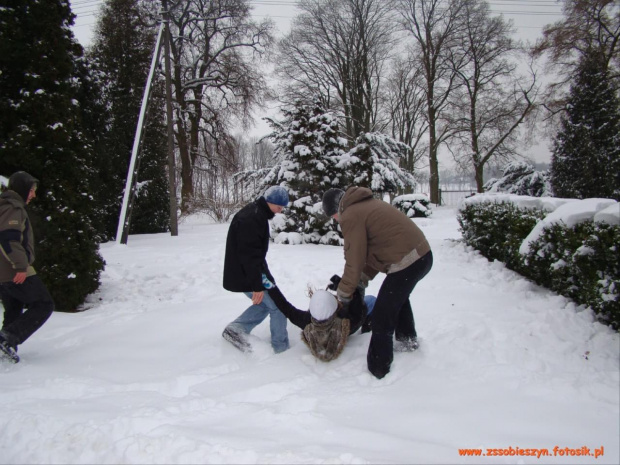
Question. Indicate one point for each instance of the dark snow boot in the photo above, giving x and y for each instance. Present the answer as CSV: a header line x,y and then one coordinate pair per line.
x,y
8,347
406,344
237,339
380,354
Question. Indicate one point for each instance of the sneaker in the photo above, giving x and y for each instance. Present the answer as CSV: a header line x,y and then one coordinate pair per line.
x,y
8,351
406,345
237,339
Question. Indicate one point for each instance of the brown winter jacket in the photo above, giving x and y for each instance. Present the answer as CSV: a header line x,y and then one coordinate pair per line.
x,y
16,237
376,236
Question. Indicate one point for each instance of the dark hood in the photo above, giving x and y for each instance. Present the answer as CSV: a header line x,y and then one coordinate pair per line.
x,y
21,182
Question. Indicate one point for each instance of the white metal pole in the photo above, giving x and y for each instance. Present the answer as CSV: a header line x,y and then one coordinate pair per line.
x,y
122,220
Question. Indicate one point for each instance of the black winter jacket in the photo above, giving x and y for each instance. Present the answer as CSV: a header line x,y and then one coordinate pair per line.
x,y
302,318
247,244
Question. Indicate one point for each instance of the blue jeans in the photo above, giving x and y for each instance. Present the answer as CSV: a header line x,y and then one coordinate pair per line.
x,y
370,301
255,314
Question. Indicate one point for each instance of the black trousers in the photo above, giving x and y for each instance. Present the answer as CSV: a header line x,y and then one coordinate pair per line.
x,y
31,295
392,314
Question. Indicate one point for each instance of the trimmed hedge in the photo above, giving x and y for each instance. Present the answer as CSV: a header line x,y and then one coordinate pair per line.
x,y
498,229
579,262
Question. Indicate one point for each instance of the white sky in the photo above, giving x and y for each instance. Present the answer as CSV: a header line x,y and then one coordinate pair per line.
x,y
529,16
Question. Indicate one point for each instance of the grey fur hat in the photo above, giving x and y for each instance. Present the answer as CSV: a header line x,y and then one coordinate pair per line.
x,y
331,201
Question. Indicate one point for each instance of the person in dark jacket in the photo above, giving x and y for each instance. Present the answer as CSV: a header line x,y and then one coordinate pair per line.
x,y
324,331
20,286
380,238
246,270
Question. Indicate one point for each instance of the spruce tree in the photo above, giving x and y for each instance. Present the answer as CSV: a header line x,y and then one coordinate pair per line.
x,y
308,145
121,53
586,154
521,178
374,163
42,133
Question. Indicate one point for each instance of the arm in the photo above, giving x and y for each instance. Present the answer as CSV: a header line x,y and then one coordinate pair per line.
x,y
11,227
299,318
250,251
355,251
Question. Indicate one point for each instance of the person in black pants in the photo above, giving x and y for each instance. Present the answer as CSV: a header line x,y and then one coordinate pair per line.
x,y
20,286
380,238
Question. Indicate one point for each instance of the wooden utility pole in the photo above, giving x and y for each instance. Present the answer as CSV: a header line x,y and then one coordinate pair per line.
x,y
172,185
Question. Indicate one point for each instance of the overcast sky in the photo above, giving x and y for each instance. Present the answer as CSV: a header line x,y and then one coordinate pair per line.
x,y
529,16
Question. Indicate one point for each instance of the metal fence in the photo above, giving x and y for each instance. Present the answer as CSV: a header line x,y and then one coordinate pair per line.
x,y
451,198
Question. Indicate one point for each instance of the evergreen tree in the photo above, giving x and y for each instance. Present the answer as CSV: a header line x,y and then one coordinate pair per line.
x,y
312,159
42,133
374,163
309,146
520,178
122,53
586,155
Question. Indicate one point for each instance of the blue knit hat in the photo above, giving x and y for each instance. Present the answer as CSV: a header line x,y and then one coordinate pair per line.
x,y
276,195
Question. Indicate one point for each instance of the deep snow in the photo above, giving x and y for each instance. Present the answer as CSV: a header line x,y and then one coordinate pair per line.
x,y
144,376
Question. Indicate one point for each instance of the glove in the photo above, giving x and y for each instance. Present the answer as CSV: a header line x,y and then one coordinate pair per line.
x,y
266,283
343,309
334,282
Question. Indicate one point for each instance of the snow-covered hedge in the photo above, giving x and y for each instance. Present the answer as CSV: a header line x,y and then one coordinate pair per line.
x,y
567,245
413,205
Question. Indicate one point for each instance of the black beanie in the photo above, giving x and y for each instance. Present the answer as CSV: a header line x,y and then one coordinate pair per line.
x,y
331,201
21,182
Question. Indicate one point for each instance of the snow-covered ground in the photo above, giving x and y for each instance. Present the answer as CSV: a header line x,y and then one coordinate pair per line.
x,y
144,376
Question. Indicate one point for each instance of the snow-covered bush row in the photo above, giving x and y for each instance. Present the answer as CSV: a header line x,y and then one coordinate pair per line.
x,y
570,246
413,205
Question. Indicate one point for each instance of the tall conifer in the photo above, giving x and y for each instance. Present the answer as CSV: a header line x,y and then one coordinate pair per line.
x,y
586,154
41,132
122,52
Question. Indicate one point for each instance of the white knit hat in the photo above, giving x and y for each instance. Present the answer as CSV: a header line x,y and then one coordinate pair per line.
x,y
323,304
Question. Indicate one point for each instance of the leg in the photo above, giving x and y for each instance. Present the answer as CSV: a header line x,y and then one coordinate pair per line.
x,y
405,326
277,325
252,317
13,308
392,299
34,295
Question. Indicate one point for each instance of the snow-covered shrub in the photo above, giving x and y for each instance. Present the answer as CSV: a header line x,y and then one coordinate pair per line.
x,y
413,205
578,260
497,230
520,178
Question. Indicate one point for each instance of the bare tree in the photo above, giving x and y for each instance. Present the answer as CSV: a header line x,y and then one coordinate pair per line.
x,y
337,50
215,77
434,26
406,106
588,25
492,100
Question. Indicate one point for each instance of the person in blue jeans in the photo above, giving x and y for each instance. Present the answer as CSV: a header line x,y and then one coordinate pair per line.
x,y
246,270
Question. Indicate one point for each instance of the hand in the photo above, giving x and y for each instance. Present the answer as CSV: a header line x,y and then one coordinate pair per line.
x,y
20,277
333,282
257,297
343,309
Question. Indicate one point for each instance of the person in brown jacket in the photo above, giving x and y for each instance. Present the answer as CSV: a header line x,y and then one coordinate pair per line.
x,y
380,238
20,287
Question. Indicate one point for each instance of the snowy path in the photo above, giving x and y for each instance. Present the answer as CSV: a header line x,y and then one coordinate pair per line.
x,y
145,377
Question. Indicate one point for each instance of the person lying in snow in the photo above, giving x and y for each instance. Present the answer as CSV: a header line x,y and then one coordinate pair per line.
x,y
325,329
